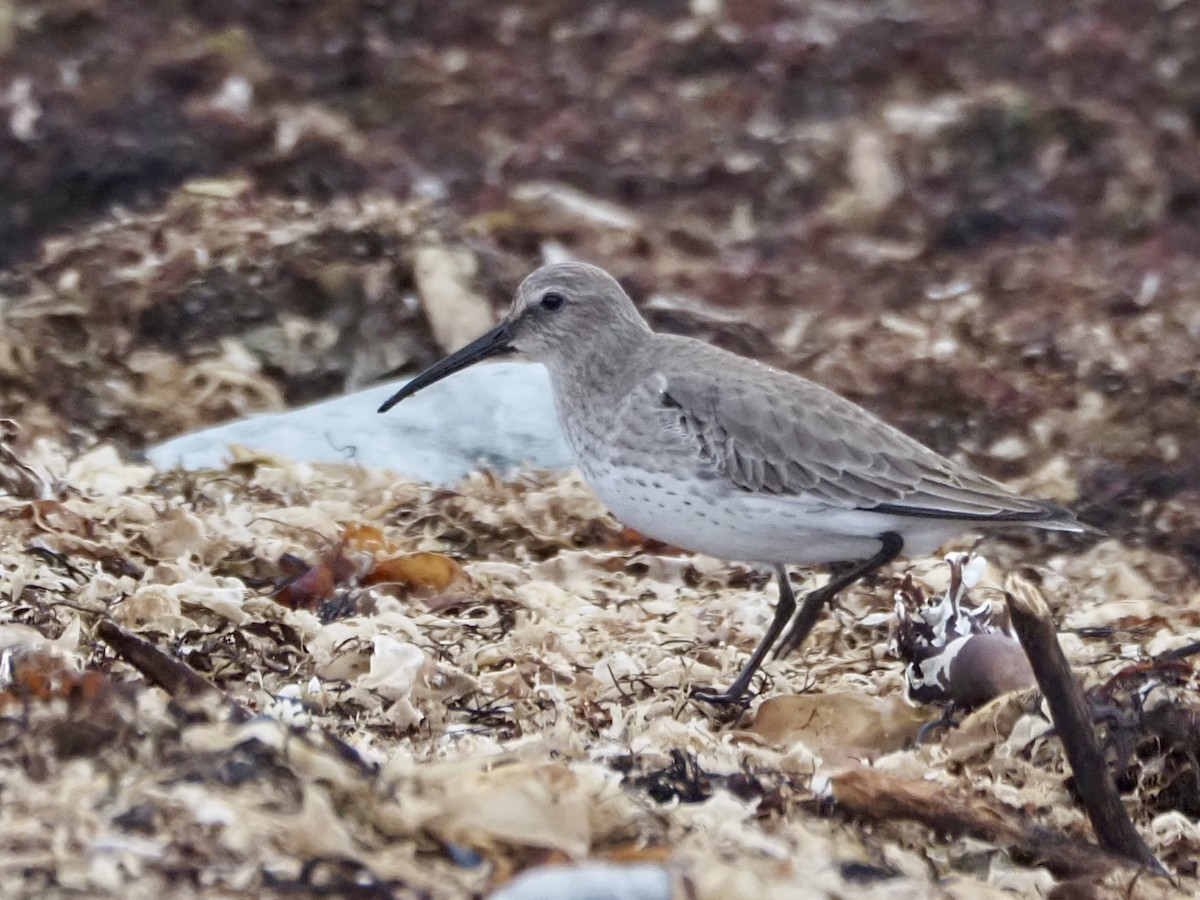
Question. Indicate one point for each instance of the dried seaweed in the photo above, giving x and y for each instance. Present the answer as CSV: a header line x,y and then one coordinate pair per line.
x,y
526,701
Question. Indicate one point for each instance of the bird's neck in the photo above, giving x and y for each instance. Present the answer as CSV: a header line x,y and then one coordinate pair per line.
x,y
597,376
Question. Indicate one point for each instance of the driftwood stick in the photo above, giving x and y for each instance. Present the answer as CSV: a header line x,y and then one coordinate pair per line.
x,y
179,680
876,795
1110,820
184,683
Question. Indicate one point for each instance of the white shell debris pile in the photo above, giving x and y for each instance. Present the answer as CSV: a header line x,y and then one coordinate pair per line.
x,y
956,654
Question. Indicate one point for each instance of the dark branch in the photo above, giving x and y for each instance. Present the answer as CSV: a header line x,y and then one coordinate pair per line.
x,y
1095,786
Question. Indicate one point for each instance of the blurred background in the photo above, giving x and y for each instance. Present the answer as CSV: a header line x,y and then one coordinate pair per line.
x,y
979,219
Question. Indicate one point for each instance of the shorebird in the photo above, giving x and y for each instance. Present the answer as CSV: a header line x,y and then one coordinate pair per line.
x,y
722,455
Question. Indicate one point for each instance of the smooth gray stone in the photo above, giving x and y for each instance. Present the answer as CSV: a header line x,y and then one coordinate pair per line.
x,y
589,881
498,416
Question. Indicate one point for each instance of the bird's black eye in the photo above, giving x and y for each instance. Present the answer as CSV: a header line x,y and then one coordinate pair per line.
x,y
552,302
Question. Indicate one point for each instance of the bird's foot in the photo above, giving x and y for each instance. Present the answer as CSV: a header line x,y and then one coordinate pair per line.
x,y
946,720
735,694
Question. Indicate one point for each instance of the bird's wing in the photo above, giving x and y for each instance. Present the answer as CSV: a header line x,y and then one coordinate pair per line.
x,y
771,432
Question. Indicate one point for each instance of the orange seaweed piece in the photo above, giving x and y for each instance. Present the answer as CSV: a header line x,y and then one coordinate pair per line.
x,y
431,571
368,538
316,584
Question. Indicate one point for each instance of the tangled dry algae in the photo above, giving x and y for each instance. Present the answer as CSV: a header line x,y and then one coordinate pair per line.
x,y
152,323
441,735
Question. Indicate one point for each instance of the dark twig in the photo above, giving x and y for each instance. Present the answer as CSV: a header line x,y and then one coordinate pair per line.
x,y
1179,653
882,797
1097,791
177,679
185,684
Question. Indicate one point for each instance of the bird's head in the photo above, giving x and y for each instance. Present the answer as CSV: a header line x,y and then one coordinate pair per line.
x,y
560,314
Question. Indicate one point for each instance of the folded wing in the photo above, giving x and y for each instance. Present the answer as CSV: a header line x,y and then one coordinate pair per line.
x,y
766,431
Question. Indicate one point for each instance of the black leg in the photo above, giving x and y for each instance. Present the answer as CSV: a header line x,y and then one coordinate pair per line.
x,y
945,720
810,609
783,612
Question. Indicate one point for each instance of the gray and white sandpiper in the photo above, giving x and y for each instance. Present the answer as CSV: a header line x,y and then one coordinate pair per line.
x,y
722,455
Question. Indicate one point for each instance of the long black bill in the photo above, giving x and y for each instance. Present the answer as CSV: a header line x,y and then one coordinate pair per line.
x,y
497,342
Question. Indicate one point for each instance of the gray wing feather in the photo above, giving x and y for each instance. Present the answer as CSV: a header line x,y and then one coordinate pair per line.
x,y
767,431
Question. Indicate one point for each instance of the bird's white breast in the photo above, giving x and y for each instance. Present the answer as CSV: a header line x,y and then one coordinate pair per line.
x,y
705,517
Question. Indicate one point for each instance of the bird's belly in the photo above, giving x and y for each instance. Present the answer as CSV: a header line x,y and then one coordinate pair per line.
x,y
705,517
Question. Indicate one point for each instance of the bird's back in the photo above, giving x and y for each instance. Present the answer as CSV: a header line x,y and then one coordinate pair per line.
x,y
746,431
